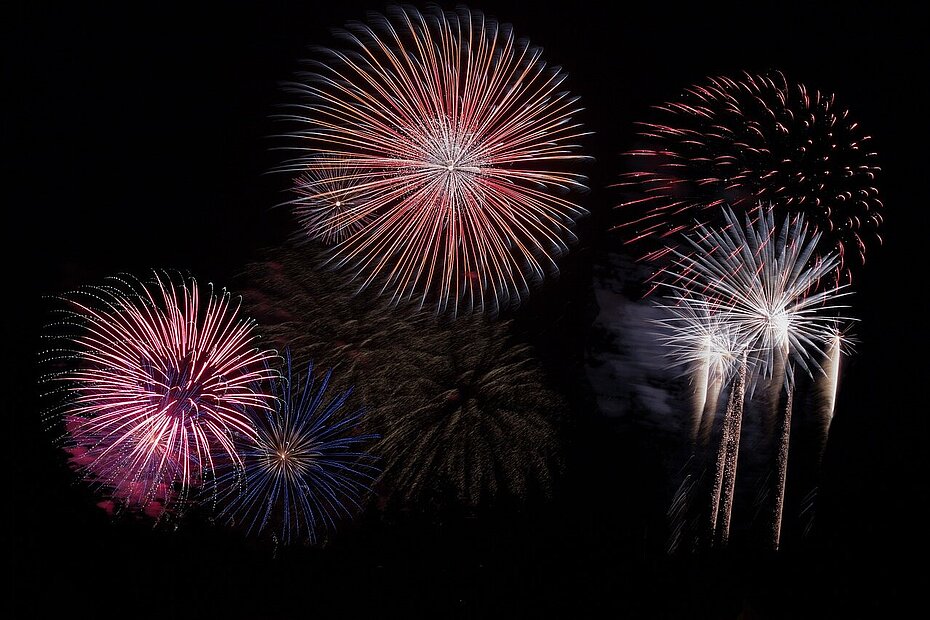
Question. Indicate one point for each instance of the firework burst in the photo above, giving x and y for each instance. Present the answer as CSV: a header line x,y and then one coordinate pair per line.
x,y
455,142
329,202
159,385
758,138
476,425
751,292
763,282
307,466
708,346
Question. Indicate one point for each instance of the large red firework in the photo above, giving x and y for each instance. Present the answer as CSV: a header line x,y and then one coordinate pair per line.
x,y
759,139
159,385
439,147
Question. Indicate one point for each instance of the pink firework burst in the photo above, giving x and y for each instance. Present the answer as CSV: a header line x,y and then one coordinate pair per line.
x,y
456,141
160,383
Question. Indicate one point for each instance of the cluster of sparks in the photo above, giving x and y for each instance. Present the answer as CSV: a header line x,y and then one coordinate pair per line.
x,y
760,138
161,384
746,305
169,400
435,155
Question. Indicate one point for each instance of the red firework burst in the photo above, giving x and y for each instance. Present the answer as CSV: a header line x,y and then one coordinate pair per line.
x,y
760,139
159,385
453,140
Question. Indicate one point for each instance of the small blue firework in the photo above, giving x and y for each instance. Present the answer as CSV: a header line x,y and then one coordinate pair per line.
x,y
307,467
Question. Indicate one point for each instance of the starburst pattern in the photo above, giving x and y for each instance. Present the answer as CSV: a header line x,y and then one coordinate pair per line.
x,y
159,385
758,138
460,144
307,467
475,426
762,281
329,202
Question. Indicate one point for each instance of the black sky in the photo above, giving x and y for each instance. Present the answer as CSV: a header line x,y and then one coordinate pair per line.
x,y
137,137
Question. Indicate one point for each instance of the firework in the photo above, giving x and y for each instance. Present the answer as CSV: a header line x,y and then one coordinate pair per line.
x,y
454,143
708,346
159,385
828,383
306,467
328,202
760,138
761,282
476,425
461,412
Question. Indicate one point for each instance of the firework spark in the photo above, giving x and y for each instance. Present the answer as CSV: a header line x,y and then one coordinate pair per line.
x,y
758,138
159,385
458,139
307,466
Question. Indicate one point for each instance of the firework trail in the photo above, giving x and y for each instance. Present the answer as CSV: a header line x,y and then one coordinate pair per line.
x,y
781,468
455,144
700,340
759,138
159,383
306,467
762,282
729,455
827,385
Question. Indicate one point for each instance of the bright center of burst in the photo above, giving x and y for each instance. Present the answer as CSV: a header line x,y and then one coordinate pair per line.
x,y
780,324
338,203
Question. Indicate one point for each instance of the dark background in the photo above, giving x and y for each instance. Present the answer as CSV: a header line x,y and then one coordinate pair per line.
x,y
136,137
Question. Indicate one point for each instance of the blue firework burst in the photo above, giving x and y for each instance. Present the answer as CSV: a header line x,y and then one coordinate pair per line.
x,y
307,467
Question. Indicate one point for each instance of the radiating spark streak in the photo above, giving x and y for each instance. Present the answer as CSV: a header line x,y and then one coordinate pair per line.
x,y
457,136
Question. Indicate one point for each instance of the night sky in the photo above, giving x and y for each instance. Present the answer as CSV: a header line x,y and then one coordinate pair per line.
x,y
139,138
